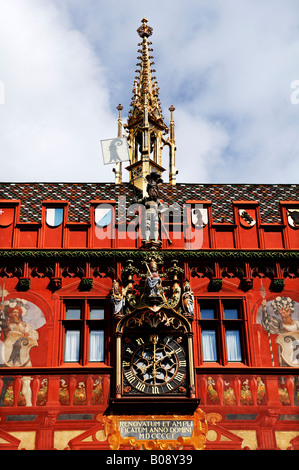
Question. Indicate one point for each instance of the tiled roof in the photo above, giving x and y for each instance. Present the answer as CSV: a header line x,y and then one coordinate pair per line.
x,y
79,196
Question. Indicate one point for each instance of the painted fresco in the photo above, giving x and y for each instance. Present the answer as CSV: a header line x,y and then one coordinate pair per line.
x,y
20,321
280,317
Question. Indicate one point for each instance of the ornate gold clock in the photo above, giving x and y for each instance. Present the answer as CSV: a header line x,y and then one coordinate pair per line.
x,y
154,364
154,343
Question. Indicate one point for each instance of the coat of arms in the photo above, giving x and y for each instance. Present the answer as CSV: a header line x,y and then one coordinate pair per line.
x,y
247,217
293,217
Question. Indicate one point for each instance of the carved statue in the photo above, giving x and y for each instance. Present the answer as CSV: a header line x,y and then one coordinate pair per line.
x,y
154,280
153,208
188,300
117,299
148,290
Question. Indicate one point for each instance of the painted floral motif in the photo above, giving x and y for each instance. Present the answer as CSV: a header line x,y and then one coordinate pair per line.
x,y
80,394
229,397
284,393
246,395
9,395
43,393
64,397
97,393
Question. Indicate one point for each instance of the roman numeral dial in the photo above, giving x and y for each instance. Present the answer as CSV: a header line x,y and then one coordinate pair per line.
x,y
154,364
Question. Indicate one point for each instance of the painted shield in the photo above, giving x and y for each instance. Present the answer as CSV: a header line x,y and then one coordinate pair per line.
x,y
17,349
293,217
247,217
54,216
6,216
103,215
289,343
199,217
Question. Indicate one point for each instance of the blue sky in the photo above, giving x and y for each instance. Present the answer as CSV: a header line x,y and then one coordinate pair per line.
x,y
226,65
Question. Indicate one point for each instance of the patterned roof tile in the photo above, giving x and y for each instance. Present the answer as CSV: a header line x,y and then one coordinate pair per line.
x,y
80,195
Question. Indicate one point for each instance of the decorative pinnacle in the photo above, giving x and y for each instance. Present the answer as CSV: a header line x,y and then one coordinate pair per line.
x,y
145,88
144,30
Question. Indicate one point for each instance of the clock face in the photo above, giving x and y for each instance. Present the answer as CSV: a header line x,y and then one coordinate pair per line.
x,y
154,364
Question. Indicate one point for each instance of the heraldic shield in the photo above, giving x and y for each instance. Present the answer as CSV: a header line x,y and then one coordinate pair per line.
x,y
17,349
289,344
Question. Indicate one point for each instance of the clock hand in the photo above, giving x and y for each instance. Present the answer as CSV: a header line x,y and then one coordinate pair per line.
x,y
168,354
143,368
154,372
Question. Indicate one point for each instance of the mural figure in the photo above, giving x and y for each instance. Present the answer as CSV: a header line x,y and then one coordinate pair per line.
x,y
21,319
281,316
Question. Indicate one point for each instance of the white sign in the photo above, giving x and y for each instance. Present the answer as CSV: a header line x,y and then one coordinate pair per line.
x,y
115,150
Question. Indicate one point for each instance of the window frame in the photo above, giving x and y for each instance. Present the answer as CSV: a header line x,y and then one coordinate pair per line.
x,y
85,325
221,325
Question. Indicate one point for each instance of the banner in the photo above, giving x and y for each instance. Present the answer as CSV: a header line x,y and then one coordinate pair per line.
x,y
115,150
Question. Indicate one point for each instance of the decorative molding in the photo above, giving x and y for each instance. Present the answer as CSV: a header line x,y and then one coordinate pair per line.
x,y
277,285
142,255
215,284
24,284
56,283
247,283
86,283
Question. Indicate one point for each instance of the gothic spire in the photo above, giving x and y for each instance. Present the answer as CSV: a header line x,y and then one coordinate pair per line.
x,y
145,126
145,90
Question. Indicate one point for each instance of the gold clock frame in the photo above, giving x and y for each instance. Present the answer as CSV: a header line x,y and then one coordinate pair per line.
x,y
152,317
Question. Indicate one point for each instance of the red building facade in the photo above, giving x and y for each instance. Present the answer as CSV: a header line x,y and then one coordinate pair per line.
x,y
183,339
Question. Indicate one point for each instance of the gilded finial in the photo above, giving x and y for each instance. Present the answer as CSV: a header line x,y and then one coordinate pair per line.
x,y
144,30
